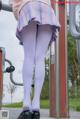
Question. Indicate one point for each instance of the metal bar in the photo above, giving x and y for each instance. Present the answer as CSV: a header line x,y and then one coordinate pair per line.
x,y
72,26
52,80
63,93
53,111
9,8
59,94
56,83
1,76
57,98
5,7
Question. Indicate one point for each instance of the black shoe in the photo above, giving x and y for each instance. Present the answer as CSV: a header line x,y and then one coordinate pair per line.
x,y
35,115
28,114
21,116
25,115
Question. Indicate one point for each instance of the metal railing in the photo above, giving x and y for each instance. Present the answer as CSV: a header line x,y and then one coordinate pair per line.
x,y
10,70
72,21
5,7
73,29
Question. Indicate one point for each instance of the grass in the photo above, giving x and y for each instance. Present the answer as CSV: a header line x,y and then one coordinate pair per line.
x,y
74,103
44,104
13,105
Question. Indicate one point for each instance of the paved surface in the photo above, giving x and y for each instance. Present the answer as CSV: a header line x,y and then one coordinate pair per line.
x,y
13,114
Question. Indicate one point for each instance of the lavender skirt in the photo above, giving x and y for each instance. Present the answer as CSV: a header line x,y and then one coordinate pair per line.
x,y
39,12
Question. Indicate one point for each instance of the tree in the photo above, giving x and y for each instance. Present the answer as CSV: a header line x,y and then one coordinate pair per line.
x,y
11,89
72,62
45,89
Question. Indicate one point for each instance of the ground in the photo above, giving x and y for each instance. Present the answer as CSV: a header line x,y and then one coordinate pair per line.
x,y
14,112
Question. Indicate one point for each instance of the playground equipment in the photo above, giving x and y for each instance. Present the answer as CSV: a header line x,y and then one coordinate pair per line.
x,y
76,22
58,60
72,21
58,73
9,69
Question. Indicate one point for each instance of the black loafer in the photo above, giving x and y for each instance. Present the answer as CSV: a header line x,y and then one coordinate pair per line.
x,y
21,116
35,115
25,115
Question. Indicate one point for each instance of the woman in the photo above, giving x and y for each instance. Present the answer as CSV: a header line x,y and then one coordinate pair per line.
x,y
36,29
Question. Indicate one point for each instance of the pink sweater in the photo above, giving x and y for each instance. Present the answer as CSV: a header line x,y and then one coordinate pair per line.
x,y
18,4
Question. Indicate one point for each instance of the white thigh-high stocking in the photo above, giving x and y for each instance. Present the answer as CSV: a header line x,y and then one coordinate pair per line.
x,y
29,39
43,39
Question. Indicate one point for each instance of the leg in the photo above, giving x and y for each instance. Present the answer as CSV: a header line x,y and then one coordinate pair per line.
x,y
43,40
29,39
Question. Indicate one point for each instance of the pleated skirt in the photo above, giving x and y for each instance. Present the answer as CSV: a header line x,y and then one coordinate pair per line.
x,y
39,12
